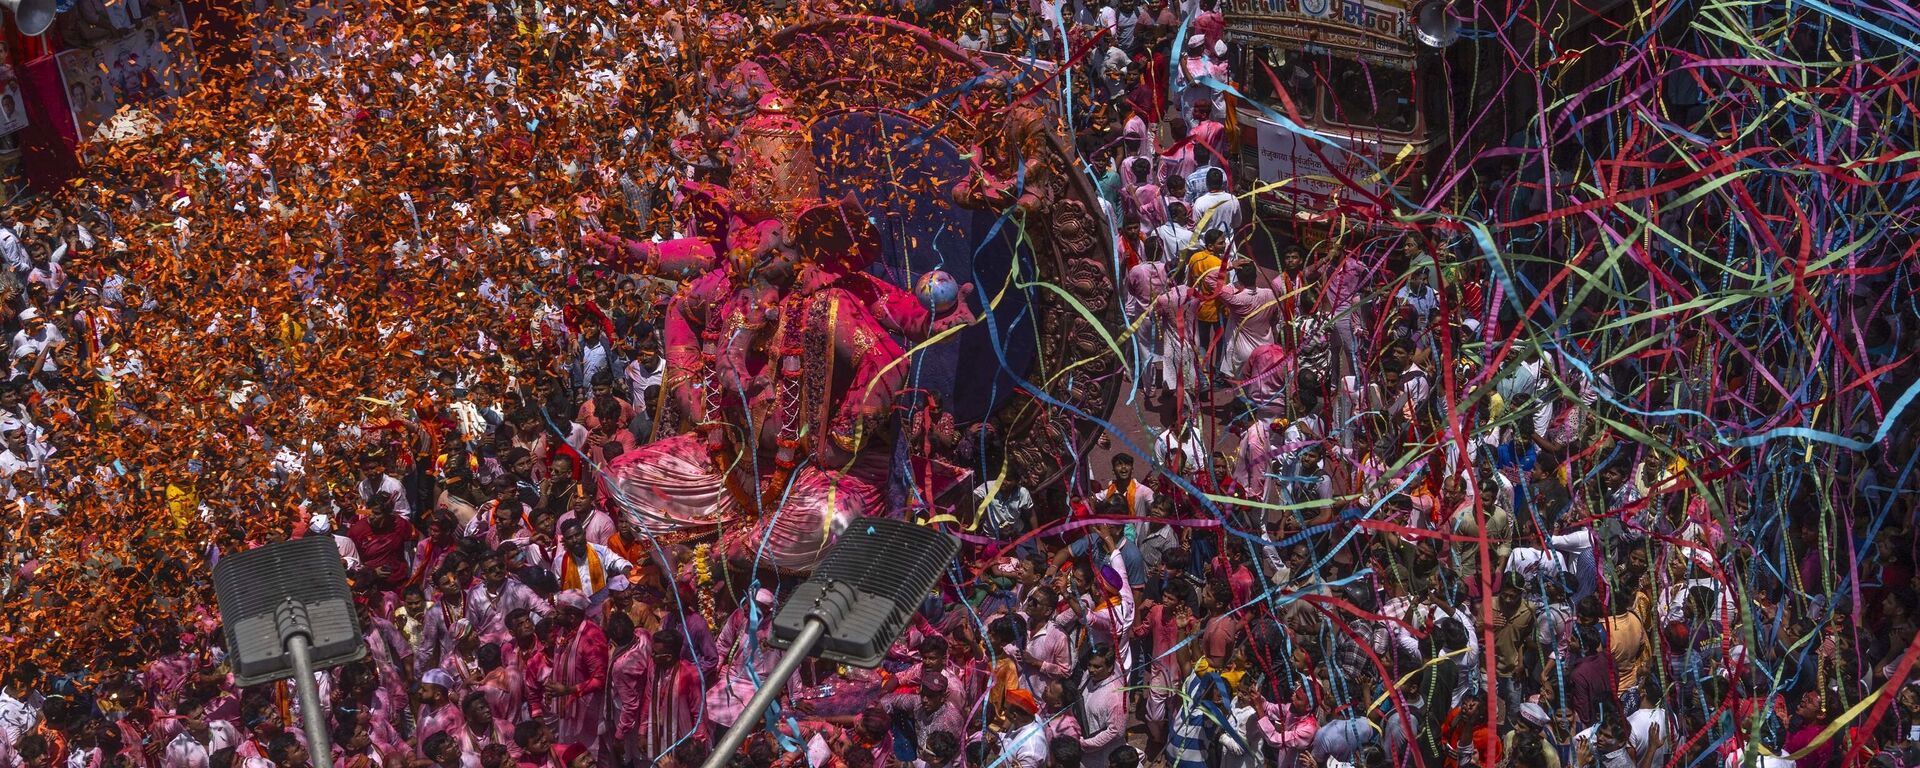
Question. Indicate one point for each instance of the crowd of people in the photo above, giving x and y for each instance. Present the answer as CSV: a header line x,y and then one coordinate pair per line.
x,y
1364,510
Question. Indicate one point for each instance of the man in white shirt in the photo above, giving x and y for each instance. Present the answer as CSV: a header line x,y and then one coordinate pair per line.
x,y
21,453
1651,731
1577,544
1531,563
1105,708
1006,508
1106,607
199,738
322,525
645,372
1145,282
1023,739
1175,236
33,346
12,251
1182,440
1139,497
586,566
1218,208
1048,656
1049,21
375,481
19,704
595,354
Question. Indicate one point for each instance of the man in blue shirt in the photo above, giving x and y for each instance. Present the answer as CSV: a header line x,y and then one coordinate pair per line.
x,y
1110,541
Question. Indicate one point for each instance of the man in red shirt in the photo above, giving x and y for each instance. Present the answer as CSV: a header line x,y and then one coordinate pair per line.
x,y
383,541
1224,629
1214,480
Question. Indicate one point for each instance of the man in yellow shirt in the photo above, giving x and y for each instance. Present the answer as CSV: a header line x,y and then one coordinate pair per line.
x,y
1205,269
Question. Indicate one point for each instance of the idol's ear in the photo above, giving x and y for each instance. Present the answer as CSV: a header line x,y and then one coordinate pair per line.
x,y
707,213
838,236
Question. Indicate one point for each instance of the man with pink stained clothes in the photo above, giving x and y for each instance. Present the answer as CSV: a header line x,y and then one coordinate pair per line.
x,y
392,656
935,659
673,714
481,729
576,688
439,713
531,658
444,623
166,675
500,682
1049,654
495,596
631,682
597,524
263,726
746,640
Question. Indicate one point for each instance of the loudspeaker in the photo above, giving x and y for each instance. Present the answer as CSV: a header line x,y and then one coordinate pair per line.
x,y
1434,24
31,16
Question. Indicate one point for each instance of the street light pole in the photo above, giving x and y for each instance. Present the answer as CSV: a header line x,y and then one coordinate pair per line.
x,y
849,610
319,743
776,681
286,611
296,636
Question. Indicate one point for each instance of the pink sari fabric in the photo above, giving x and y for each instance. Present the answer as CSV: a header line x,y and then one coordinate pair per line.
x,y
671,485
817,507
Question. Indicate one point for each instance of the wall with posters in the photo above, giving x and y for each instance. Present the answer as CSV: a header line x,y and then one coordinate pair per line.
x,y
13,120
135,54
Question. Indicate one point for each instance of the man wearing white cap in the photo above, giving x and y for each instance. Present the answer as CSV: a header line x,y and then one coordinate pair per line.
x,y
745,640
322,525
439,712
34,344
620,602
733,635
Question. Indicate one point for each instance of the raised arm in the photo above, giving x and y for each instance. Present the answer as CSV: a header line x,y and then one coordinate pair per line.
x,y
678,258
685,321
878,370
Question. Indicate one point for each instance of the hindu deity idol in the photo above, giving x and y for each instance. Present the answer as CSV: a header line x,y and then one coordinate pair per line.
x,y
784,357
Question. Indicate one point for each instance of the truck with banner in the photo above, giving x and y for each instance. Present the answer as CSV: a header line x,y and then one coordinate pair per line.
x,y
1346,70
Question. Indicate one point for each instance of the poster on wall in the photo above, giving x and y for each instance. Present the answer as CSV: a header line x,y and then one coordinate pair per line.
x,y
144,65
13,111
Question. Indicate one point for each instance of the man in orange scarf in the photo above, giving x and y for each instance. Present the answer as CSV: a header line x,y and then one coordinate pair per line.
x,y
586,566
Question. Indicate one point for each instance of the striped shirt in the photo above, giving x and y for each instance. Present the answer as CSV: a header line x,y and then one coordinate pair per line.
x,y
1197,727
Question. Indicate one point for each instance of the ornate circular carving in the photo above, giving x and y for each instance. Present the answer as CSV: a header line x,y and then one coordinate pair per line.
x,y
1073,227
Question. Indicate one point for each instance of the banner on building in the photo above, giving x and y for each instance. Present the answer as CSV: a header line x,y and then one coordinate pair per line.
x,y
147,62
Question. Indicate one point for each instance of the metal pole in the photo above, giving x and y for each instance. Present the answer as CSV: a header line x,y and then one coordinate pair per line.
x,y
800,650
319,745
